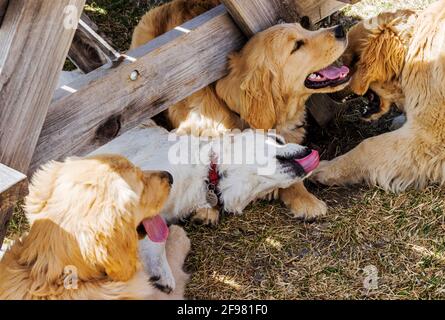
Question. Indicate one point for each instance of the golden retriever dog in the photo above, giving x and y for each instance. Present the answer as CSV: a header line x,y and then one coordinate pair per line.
x,y
83,241
403,51
268,84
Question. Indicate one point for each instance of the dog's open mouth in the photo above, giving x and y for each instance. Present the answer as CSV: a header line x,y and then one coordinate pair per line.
x,y
373,104
310,162
331,76
155,228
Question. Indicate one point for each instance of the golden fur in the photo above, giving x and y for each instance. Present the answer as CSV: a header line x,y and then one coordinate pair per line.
x,y
414,155
84,214
264,89
376,54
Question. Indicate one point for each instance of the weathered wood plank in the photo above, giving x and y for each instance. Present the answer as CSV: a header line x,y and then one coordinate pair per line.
x,y
3,6
89,50
168,69
253,16
317,10
33,46
11,182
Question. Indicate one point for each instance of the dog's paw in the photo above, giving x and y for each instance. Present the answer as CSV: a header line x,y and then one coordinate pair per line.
x,y
163,280
207,216
308,208
274,195
161,283
325,174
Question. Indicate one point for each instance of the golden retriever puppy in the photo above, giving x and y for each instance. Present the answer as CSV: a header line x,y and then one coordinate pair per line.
x,y
407,51
83,242
268,84
376,54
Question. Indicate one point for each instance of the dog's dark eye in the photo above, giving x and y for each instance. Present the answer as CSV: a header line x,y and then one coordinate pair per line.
x,y
297,46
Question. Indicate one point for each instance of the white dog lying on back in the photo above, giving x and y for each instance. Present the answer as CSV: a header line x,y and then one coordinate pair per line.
x,y
228,172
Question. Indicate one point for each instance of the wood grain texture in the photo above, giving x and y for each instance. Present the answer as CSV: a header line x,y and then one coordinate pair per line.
x,y
253,16
317,10
33,47
3,6
11,183
108,103
89,50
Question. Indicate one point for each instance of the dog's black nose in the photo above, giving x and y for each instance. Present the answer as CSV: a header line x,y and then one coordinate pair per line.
x,y
167,175
340,32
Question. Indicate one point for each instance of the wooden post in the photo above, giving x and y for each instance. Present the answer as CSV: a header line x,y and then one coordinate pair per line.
x,y
34,43
316,10
253,16
34,40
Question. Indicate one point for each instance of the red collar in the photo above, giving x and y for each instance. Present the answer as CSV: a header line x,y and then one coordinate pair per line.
x,y
213,194
213,175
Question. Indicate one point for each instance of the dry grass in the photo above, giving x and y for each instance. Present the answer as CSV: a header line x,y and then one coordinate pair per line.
x,y
266,254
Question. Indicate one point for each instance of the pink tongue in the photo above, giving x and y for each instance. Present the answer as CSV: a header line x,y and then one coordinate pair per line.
x,y
333,73
311,162
156,228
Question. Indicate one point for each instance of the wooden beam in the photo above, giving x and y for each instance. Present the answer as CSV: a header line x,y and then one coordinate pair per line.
x,y
10,185
317,10
89,50
34,42
3,7
165,71
253,16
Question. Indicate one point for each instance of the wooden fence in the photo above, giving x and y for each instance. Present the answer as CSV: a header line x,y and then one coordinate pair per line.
x,y
39,123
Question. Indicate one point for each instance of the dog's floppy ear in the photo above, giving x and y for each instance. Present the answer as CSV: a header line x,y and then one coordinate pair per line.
x,y
257,98
115,236
117,247
381,59
103,198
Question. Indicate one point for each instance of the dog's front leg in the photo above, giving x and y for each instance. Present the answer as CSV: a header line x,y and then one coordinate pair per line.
x,y
385,160
154,259
302,203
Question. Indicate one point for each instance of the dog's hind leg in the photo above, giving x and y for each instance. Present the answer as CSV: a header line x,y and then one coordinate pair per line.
x,y
154,259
